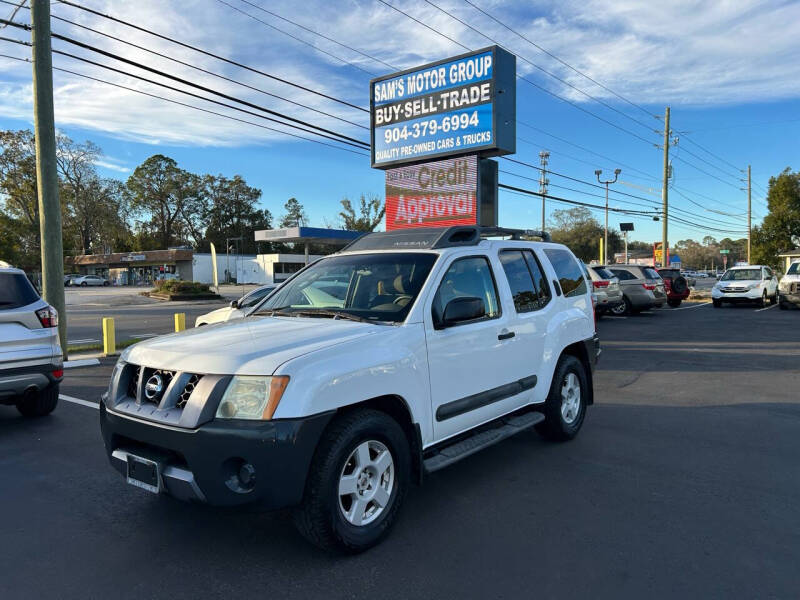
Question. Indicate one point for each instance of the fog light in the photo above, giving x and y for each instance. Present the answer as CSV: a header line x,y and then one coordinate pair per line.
x,y
247,475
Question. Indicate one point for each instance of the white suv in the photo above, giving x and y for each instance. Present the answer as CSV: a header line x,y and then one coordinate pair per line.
x,y
751,283
31,361
363,372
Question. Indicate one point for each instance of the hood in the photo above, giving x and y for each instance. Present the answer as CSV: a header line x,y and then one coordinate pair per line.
x,y
251,346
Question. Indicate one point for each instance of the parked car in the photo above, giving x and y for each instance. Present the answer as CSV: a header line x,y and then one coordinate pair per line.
x,y
335,403
642,288
675,285
31,361
701,275
85,280
236,309
751,283
789,287
606,289
69,278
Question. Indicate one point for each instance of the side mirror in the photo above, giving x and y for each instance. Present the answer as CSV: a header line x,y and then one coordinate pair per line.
x,y
459,310
234,304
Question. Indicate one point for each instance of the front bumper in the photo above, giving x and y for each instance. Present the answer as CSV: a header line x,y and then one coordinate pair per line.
x,y
753,295
790,297
204,464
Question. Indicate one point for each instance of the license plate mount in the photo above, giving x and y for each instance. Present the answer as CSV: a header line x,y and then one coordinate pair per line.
x,y
144,473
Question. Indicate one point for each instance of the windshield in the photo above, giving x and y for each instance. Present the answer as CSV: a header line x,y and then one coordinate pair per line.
x,y
372,287
742,275
794,268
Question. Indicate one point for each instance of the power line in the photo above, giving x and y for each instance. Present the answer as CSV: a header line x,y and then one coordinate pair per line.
x,y
563,62
540,68
231,117
568,201
523,78
710,164
206,71
294,37
707,151
705,172
192,84
212,55
324,37
13,12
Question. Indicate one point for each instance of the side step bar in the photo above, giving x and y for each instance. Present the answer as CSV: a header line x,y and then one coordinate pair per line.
x,y
502,429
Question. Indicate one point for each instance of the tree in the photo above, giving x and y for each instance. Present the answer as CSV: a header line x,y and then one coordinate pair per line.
x,y
581,232
233,212
20,203
165,194
370,213
780,230
295,214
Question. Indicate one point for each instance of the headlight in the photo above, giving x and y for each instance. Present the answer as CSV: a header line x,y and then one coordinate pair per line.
x,y
753,286
252,397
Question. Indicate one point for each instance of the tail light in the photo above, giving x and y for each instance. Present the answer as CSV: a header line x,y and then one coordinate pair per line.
x,y
48,316
649,286
58,373
600,284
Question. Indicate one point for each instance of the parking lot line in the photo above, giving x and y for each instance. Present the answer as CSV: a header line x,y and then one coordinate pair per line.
x,y
78,401
695,306
766,308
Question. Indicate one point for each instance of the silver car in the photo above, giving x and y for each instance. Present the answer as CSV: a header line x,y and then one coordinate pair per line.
x,y
31,361
87,280
606,288
642,288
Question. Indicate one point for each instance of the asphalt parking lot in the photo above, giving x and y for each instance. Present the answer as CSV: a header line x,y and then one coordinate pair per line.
x,y
683,483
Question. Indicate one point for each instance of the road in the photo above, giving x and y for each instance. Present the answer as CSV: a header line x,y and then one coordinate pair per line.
x,y
683,483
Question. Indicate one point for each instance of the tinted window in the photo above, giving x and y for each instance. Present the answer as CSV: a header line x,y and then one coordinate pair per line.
x,y
623,274
467,278
793,268
570,276
539,280
519,280
651,273
16,291
604,273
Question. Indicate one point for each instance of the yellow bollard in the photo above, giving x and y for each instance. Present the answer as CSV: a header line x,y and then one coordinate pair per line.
x,y
180,321
109,339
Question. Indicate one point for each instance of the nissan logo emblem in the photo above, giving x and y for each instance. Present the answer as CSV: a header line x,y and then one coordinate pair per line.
x,y
153,387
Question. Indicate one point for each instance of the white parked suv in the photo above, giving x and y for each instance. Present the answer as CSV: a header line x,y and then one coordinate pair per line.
x,y
751,283
365,371
31,361
789,287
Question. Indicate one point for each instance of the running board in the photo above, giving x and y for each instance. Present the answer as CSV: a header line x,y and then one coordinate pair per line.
x,y
504,428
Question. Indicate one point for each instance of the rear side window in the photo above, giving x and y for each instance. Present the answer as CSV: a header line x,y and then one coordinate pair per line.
x,y
519,280
467,278
793,268
568,271
651,273
16,291
604,273
623,274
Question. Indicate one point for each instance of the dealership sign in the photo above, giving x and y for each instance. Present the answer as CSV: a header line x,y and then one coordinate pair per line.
x,y
438,194
461,105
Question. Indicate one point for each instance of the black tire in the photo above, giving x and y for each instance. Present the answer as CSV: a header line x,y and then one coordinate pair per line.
x,y
320,517
674,303
717,303
774,299
555,427
762,302
680,285
38,404
84,284
624,309
106,284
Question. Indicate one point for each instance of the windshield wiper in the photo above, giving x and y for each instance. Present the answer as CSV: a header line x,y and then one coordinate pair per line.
x,y
336,314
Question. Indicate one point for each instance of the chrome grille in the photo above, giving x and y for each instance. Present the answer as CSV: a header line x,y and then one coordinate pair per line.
x,y
133,381
187,390
154,385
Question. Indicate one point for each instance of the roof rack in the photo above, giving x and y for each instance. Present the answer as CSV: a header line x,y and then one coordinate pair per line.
x,y
438,237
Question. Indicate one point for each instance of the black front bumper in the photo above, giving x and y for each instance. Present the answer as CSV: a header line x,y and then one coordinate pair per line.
x,y
204,464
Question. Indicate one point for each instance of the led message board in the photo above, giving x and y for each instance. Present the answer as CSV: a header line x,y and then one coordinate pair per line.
x,y
457,106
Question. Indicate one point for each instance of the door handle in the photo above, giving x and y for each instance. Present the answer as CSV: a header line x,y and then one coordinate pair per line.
x,y
506,336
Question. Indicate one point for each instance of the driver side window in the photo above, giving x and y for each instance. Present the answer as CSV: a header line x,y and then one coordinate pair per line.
x,y
469,277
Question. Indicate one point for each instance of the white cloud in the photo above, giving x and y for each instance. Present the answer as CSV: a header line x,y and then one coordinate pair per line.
x,y
683,51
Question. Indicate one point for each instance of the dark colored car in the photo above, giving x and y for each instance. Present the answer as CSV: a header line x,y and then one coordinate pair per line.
x,y
676,286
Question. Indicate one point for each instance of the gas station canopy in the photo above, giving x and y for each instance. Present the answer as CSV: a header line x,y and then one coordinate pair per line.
x,y
308,235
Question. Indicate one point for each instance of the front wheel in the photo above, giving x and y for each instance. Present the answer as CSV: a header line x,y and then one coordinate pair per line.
x,y
774,299
762,302
84,284
357,481
622,309
717,303
106,284
39,404
565,407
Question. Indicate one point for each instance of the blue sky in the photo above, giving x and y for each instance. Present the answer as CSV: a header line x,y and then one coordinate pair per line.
x,y
728,71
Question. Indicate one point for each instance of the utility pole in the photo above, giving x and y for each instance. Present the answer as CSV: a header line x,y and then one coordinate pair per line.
x,y
749,215
543,181
606,183
665,194
46,169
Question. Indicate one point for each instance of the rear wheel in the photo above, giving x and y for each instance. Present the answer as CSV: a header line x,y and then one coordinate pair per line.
x,y
774,299
38,404
106,284
565,407
84,284
356,483
674,303
622,309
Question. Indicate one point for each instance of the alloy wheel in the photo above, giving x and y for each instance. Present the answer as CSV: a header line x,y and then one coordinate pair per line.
x,y
366,483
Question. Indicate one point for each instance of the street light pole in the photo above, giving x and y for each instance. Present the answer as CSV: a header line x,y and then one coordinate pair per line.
x,y
599,172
